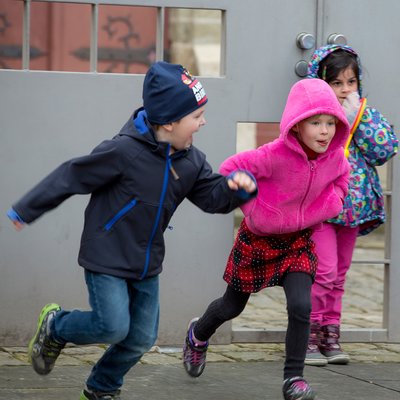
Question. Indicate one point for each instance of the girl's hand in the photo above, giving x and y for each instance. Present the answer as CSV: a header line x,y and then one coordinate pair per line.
x,y
350,106
241,180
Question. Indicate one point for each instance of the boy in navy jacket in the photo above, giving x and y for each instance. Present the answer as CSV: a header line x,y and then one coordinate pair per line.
x,y
136,181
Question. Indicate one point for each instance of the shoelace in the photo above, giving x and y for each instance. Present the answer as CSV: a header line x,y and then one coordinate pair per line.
x,y
51,348
300,386
196,354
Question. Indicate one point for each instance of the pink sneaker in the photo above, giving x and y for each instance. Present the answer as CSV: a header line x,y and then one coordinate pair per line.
x,y
297,388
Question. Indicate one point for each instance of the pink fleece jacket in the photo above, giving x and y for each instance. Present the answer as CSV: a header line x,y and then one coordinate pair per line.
x,y
294,192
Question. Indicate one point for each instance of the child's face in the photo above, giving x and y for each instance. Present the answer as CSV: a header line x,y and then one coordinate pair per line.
x,y
181,135
344,84
316,132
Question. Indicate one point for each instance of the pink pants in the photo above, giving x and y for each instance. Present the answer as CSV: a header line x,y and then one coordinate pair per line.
x,y
334,247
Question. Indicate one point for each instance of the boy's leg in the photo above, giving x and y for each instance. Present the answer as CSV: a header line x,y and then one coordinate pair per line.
x,y
107,375
108,322
229,306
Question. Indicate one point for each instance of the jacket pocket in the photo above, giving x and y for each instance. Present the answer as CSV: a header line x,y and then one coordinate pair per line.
x,y
120,214
266,218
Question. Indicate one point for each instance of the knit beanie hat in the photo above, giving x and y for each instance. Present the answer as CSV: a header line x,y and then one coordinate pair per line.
x,y
170,93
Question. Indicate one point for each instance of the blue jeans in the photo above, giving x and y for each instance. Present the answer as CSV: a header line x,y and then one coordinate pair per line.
x,y
124,314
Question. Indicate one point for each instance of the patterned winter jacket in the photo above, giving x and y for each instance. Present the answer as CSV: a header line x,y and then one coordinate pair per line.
x,y
373,144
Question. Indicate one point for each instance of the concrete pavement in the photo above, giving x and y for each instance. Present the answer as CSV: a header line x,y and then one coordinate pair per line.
x,y
233,372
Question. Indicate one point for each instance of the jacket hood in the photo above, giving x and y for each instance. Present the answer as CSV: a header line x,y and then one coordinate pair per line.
x,y
323,52
139,128
307,98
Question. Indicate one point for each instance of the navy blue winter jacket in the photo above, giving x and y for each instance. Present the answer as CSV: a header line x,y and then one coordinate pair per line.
x,y
135,186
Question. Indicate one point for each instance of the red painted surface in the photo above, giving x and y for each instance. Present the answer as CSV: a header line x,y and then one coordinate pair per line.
x,y
60,37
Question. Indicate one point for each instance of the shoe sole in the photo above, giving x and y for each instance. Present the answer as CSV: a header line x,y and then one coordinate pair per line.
x,y
339,359
45,310
317,362
82,396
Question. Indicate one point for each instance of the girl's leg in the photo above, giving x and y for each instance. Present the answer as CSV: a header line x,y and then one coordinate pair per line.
x,y
326,247
330,327
227,307
107,375
346,241
297,286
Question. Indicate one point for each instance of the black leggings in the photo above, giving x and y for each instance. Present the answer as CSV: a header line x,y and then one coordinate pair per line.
x,y
297,286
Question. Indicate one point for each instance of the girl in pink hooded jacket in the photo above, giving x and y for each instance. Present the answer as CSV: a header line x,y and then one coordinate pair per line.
x,y
302,181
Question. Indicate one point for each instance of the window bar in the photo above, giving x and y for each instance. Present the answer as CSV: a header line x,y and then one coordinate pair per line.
x,y
25,34
160,34
388,233
222,65
94,38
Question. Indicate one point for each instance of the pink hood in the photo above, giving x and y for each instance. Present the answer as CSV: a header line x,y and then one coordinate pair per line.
x,y
294,192
310,97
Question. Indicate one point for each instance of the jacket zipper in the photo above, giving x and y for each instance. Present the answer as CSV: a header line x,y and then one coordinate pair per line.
x,y
162,198
119,215
312,168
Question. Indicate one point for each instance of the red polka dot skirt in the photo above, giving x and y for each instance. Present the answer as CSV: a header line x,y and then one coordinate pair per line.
x,y
257,262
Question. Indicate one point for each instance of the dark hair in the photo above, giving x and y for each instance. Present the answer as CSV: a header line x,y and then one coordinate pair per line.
x,y
332,65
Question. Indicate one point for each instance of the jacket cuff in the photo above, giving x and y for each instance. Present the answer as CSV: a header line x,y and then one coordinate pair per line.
x,y
241,193
13,215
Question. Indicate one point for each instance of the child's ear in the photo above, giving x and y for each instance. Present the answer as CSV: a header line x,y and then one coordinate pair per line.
x,y
295,128
168,127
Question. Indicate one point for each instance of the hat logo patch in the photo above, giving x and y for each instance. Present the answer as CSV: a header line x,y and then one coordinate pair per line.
x,y
196,87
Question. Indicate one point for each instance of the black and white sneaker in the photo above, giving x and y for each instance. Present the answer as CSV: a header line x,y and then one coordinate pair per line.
x,y
194,355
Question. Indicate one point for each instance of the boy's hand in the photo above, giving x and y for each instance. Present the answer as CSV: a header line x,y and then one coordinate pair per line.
x,y
241,180
17,225
15,219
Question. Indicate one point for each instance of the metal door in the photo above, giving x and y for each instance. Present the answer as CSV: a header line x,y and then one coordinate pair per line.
x,y
47,117
372,28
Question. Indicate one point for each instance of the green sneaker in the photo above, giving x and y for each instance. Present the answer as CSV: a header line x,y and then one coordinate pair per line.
x,y
89,395
43,350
